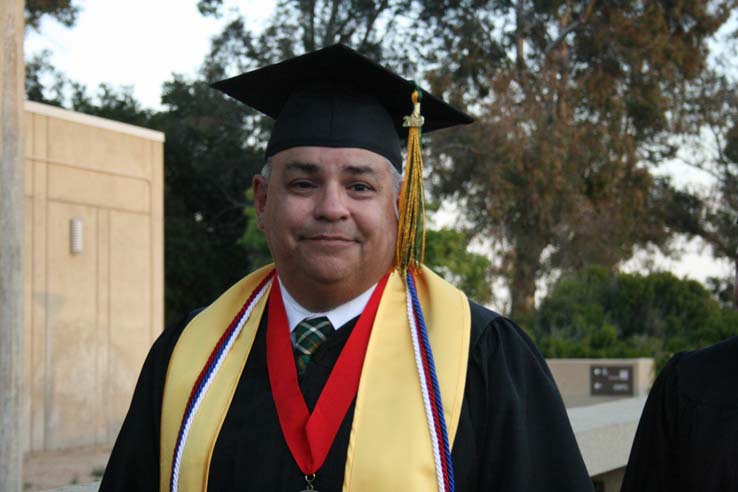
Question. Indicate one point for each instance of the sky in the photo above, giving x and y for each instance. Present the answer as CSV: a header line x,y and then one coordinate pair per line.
x,y
141,43
112,42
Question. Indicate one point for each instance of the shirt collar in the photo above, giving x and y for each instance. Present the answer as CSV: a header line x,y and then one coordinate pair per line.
x,y
338,316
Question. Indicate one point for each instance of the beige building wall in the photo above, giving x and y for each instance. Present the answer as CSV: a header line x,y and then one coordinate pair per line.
x,y
91,316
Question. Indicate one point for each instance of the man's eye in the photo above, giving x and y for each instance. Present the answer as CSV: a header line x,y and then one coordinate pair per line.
x,y
301,185
360,187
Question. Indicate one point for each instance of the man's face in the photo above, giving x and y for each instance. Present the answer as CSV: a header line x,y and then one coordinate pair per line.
x,y
329,218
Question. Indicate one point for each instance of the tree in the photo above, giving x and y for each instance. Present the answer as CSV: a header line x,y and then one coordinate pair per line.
x,y
596,313
64,11
714,150
209,164
39,67
297,26
44,83
447,253
575,99
719,97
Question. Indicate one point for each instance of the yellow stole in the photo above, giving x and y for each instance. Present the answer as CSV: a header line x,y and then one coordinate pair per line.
x,y
389,447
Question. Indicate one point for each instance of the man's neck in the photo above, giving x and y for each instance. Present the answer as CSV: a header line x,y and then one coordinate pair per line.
x,y
323,298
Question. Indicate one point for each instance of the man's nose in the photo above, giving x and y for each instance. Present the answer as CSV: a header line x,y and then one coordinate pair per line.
x,y
331,204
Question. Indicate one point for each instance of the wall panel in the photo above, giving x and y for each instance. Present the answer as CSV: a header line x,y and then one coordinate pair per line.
x,y
71,309
100,189
130,304
96,148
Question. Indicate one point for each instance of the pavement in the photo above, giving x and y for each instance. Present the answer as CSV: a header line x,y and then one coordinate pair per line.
x,y
65,467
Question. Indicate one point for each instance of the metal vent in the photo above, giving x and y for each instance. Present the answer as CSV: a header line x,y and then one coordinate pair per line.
x,y
75,236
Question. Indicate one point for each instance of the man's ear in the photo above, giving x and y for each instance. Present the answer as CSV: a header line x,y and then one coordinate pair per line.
x,y
260,186
397,203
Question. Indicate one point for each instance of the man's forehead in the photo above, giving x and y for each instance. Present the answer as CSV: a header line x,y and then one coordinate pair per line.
x,y
319,159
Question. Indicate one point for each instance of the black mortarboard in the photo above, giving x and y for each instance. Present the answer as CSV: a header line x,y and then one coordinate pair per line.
x,y
336,97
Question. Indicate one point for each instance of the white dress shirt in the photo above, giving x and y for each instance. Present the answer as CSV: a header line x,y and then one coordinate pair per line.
x,y
338,316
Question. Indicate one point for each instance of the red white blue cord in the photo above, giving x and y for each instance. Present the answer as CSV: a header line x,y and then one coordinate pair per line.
x,y
208,374
430,389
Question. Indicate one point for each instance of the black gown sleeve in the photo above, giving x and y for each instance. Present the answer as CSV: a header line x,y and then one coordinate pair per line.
x,y
134,460
519,426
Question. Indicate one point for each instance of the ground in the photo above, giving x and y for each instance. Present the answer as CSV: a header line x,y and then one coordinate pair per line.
x,y
51,469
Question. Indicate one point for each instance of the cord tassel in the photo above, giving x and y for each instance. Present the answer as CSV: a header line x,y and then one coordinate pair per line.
x,y
410,249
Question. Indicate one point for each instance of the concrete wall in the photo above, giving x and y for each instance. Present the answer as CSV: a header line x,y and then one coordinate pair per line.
x,y
605,432
90,317
572,376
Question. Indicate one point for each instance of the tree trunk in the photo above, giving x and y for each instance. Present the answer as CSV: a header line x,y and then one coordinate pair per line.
x,y
520,23
735,291
11,244
523,283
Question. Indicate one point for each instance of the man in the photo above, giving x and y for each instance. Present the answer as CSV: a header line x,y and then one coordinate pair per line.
x,y
397,382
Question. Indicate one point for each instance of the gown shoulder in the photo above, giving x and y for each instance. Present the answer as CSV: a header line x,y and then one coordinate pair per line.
x,y
513,414
686,438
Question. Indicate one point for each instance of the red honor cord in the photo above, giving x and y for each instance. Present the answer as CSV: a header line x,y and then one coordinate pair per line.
x,y
310,435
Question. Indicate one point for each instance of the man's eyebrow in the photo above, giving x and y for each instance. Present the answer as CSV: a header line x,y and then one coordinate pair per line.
x,y
305,167
359,170
310,168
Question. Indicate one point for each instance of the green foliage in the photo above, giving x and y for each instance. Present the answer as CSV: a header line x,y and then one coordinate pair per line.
x,y
112,103
64,11
447,253
724,290
210,7
253,239
209,164
717,154
44,83
596,313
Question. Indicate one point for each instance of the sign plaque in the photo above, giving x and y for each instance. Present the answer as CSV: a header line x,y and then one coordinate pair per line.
x,y
611,380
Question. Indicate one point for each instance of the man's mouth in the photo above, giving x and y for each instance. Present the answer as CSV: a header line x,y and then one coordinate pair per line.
x,y
328,239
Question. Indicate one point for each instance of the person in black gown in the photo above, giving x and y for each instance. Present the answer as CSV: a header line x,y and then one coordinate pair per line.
x,y
513,433
687,439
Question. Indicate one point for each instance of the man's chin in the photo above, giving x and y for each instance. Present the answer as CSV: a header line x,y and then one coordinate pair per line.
x,y
330,273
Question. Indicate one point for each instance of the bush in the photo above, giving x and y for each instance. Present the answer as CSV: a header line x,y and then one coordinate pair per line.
x,y
596,313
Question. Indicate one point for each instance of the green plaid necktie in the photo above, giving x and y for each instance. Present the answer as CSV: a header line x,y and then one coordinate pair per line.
x,y
307,336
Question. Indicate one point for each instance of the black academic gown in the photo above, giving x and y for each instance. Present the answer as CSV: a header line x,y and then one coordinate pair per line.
x,y
687,439
513,434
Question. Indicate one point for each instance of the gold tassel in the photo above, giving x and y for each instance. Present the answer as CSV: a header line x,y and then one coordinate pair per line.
x,y
410,248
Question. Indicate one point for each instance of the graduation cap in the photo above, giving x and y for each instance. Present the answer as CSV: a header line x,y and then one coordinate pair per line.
x,y
336,97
